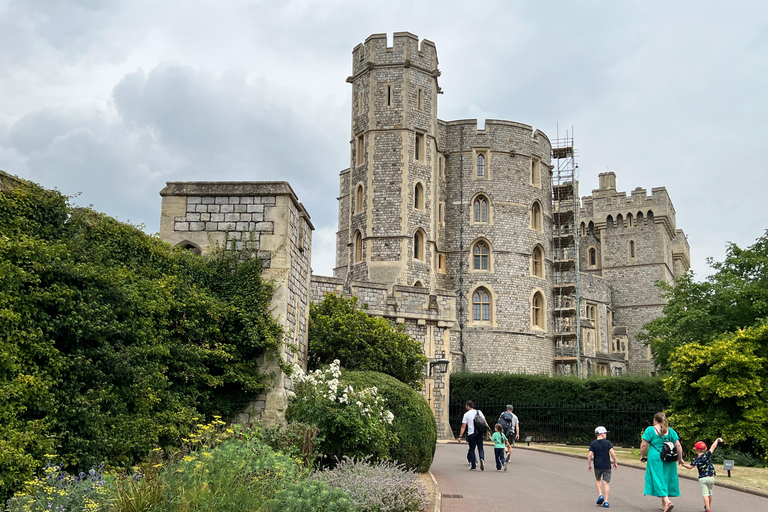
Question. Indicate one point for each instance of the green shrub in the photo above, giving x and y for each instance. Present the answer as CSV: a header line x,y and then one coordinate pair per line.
x,y
414,423
739,458
298,440
311,496
352,421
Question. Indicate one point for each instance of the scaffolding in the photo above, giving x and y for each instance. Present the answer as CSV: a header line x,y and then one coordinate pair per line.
x,y
565,244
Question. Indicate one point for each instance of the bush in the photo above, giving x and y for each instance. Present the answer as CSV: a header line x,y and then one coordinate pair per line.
x,y
311,496
414,423
298,440
340,329
739,458
380,487
352,421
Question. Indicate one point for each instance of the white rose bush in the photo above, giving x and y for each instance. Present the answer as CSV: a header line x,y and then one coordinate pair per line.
x,y
352,422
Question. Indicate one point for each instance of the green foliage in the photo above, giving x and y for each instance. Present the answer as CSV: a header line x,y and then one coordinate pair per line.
x,y
352,421
739,458
721,389
504,388
413,424
311,496
298,440
111,341
340,329
734,297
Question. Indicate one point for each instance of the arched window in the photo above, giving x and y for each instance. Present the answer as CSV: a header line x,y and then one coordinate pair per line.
x,y
629,220
632,249
538,310
591,228
650,216
481,305
358,247
537,262
418,197
609,222
359,199
480,256
536,220
189,246
418,284
480,165
418,245
481,209
592,257
583,229
619,221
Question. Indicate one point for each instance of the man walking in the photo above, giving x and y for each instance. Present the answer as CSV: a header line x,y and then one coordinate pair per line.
x,y
511,424
475,425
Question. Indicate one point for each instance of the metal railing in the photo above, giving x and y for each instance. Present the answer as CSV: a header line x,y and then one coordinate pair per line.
x,y
570,423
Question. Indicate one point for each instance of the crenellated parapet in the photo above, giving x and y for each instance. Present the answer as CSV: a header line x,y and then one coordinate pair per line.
x,y
608,208
405,51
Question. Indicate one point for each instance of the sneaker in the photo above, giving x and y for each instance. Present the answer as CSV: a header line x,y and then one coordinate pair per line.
x,y
600,500
505,468
509,454
605,504
482,465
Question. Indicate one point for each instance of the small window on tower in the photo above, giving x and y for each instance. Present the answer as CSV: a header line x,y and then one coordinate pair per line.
x,y
360,150
480,165
389,95
420,150
420,99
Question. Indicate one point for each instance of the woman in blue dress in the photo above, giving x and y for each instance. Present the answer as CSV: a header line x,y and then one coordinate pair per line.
x,y
660,477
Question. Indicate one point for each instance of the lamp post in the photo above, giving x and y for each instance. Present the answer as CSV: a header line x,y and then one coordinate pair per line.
x,y
441,366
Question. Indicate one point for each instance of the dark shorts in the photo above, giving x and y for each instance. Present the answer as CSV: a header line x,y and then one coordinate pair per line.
x,y
603,474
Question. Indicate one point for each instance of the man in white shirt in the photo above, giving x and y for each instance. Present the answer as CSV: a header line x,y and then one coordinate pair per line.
x,y
474,438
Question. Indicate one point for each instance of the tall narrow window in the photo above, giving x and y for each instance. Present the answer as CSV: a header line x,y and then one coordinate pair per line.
x,y
359,199
537,310
536,220
441,214
442,167
358,247
420,99
481,305
418,197
592,257
481,209
360,102
389,95
418,245
360,150
632,249
441,263
419,149
537,263
480,165
535,173
480,256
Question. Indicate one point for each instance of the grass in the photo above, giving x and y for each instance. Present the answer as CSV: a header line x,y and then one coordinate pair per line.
x,y
755,479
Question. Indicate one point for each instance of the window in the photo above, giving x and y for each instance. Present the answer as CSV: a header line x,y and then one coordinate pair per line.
x,y
609,222
583,229
535,173
420,99
481,305
537,310
441,168
480,256
480,165
418,245
441,213
418,197
632,249
592,257
420,149
189,246
360,98
359,199
441,263
629,220
481,209
358,247
537,262
591,312
389,95
360,150
619,221
536,220
418,284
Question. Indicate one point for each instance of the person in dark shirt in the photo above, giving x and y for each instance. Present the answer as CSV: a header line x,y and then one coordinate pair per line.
x,y
703,462
601,451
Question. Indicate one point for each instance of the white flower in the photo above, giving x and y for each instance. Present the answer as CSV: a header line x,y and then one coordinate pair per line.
x,y
390,417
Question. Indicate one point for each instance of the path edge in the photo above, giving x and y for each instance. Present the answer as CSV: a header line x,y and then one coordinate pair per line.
x,y
438,494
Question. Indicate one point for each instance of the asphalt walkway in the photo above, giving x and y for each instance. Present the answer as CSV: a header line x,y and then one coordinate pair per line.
x,y
543,482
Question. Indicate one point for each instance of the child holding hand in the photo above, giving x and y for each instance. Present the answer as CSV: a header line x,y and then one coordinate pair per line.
x,y
703,462
500,445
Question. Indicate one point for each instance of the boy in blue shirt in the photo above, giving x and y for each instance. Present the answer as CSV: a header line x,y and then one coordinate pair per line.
x,y
601,450
703,462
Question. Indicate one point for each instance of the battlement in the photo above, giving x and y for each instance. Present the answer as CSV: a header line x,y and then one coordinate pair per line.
x,y
405,51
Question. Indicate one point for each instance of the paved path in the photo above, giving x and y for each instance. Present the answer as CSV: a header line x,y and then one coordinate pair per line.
x,y
542,482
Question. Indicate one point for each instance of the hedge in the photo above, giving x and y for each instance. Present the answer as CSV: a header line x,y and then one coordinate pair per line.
x,y
414,423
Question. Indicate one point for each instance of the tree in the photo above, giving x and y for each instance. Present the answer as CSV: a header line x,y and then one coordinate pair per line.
x,y
340,329
721,389
734,297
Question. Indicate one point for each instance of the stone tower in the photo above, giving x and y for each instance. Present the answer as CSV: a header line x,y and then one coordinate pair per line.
x,y
388,195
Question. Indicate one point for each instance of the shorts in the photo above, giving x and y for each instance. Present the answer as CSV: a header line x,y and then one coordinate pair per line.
x,y
707,483
603,474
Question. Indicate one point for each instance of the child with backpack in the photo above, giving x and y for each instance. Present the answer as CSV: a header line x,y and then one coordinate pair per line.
x,y
601,450
500,445
703,462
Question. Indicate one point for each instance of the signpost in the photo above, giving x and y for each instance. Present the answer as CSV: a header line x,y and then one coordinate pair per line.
x,y
528,440
728,466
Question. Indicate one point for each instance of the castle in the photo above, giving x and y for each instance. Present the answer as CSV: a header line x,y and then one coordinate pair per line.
x,y
474,238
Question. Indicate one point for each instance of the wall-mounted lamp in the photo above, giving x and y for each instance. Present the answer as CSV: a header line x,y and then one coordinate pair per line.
x,y
440,365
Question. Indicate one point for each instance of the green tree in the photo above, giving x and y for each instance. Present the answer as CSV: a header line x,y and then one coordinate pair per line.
x,y
734,297
721,389
340,329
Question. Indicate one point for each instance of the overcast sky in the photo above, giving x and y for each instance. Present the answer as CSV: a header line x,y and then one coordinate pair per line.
x,y
111,99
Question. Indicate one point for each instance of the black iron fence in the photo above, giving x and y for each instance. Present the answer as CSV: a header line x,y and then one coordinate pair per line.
x,y
570,423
